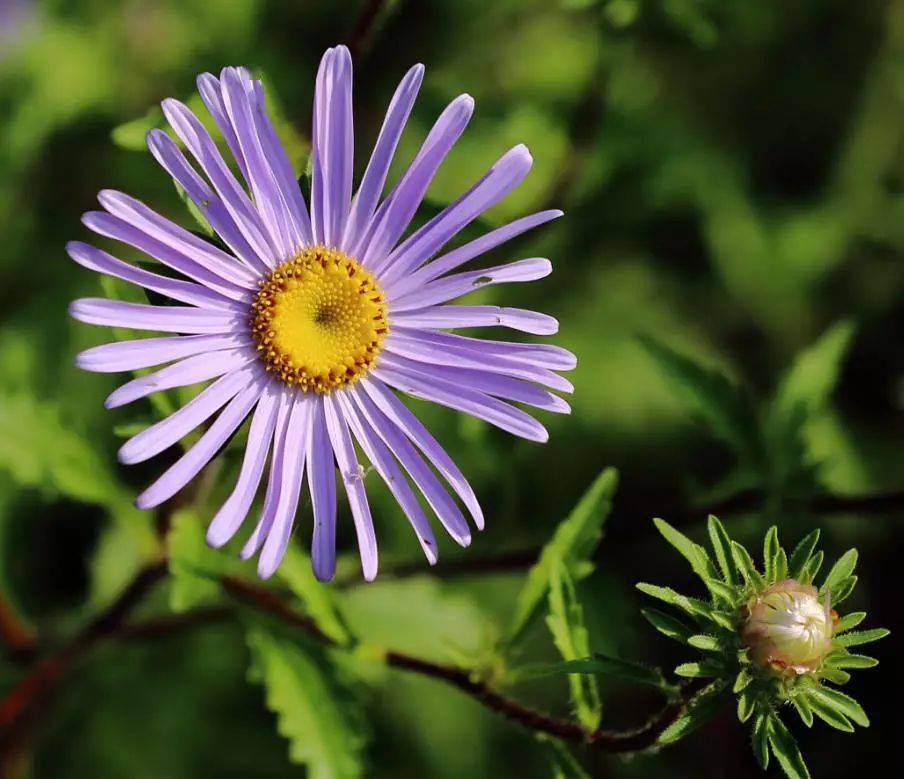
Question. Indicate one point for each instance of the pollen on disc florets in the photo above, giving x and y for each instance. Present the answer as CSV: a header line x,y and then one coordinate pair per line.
x,y
319,320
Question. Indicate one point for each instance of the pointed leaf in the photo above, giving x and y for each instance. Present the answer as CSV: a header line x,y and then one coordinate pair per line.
x,y
760,741
770,550
701,709
668,625
840,571
745,565
857,637
802,553
785,749
849,621
721,544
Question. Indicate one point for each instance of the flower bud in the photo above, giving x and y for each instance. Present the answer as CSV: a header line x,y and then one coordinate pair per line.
x,y
788,627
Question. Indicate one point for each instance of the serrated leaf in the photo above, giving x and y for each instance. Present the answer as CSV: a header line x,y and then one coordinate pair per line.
x,y
841,702
801,554
692,606
721,404
571,546
566,624
694,553
315,710
840,571
843,591
701,709
849,621
780,565
759,740
858,637
319,599
721,544
746,704
668,625
850,660
829,714
602,665
811,569
704,642
803,709
746,566
785,749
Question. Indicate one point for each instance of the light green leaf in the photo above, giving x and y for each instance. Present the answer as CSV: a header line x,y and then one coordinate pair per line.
x,y
571,546
801,554
319,599
841,702
857,637
829,714
132,135
803,709
721,544
314,709
746,566
840,571
811,569
668,625
705,642
746,704
713,397
694,553
698,670
843,591
850,660
785,749
566,623
743,678
693,606
760,740
849,621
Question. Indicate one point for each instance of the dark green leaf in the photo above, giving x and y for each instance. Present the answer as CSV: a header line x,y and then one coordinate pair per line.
x,y
785,749
701,709
760,740
668,625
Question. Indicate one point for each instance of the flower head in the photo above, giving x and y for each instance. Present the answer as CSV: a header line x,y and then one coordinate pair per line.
x,y
307,316
789,627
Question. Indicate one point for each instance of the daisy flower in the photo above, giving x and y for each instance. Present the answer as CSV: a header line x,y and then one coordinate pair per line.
x,y
309,320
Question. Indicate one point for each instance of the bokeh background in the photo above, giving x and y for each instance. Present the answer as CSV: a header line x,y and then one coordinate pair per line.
x,y
733,177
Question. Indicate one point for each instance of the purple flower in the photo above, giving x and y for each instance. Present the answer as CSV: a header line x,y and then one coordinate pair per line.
x,y
311,319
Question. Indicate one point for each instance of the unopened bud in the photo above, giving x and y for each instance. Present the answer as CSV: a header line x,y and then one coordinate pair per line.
x,y
789,627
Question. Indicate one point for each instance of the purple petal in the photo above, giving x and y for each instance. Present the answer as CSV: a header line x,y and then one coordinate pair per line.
x,y
470,250
147,352
440,501
394,215
352,478
132,222
443,317
374,179
191,370
333,146
477,404
387,467
459,284
247,219
322,484
256,253
505,174
189,464
297,434
140,316
232,513
180,423
211,93
274,480
494,384
425,346
237,94
175,289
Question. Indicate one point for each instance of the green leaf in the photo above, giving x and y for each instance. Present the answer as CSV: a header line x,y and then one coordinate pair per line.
x,y
43,450
602,665
571,546
785,749
668,625
721,544
841,702
829,714
314,708
843,591
850,660
746,704
563,763
857,637
759,739
693,606
713,397
801,554
319,599
701,709
802,706
840,571
566,623
770,552
705,642
746,566
693,553
811,569
132,135
699,670
835,675
743,679
849,621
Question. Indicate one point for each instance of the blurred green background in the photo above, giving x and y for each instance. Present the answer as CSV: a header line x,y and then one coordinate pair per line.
x,y
733,179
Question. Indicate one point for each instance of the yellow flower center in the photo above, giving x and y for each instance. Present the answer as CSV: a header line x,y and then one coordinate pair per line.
x,y
319,320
